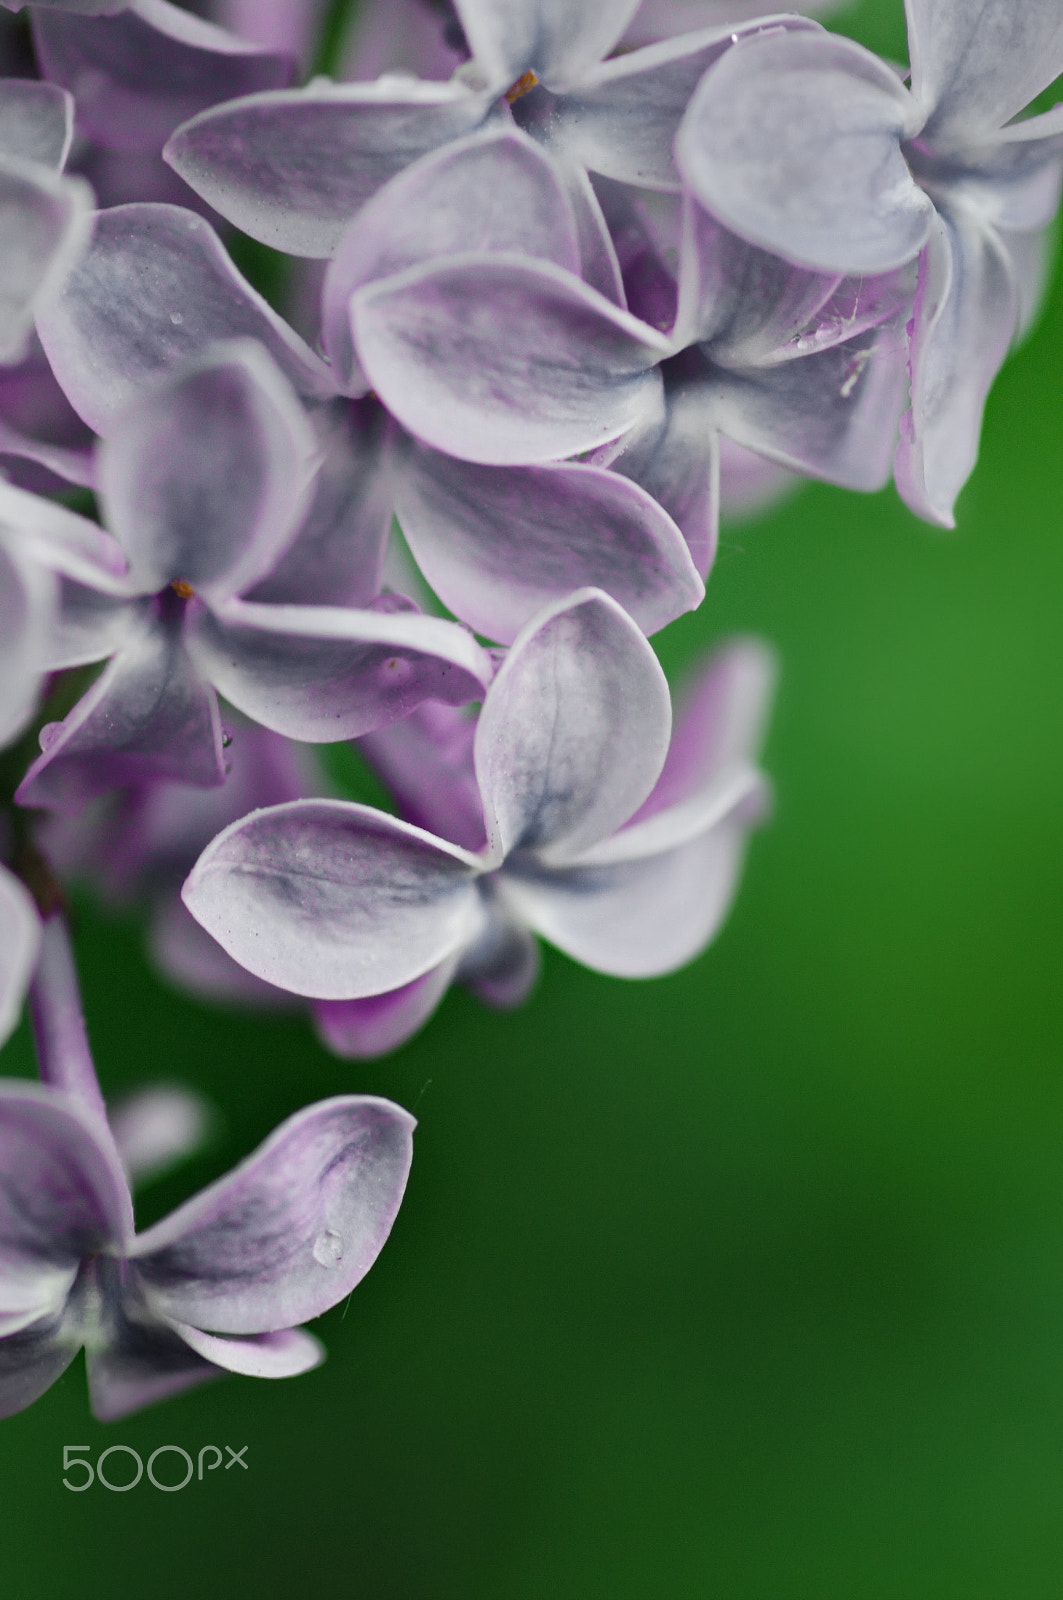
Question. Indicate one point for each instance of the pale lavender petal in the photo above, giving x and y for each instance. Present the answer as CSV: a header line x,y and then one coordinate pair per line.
x,y
505,361
291,168
64,542
975,63
156,1127
91,625
152,1364
573,732
27,606
495,191
502,967
622,118
1032,257
20,940
361,1029
657,19
498,543
63,1195
965,318
43,468
44,228
426,763
794,142
1013,180
155,288
323,673
676,459
283,1354
31,1359
291,1230
149,715
136,75
558,40
598,264
649,284
187,955
749,483
393,36
36,122
205,475
334,900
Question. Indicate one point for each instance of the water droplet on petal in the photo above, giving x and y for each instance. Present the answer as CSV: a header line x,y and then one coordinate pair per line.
x,y
49,734
176,318
328,1249
226,738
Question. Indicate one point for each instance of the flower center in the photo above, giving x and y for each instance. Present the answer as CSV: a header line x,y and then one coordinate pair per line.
x,y
183,589
524,85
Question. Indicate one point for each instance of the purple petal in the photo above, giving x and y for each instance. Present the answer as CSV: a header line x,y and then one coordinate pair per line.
x,y
975,66
598,264
136,75
334,900
573,732
36,122
448,203
149,715
558,40
291,168
63,1196
290,1231
20,940
505,361
204,476
284,1354
361,1029
622,119
44,225
426,763
31,1359
322,673
676,460
155,288
144,1361
966,312
794,142
748,483
502,967
27,604
498,543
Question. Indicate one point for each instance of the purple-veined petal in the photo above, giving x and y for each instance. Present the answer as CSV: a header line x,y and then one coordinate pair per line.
x,y
155,288
361,1029
20,940
621,119
284,1354
337,554
494,191
44,228
149,715
290,1231
156,1127
32,1357
36,122
143,1363
205,475
498,543
793,141
503,965
27,606
136,75
426,763
573,732
63,1196
676,459
505,361
965,317
292,167
334,900
558,40
976,63
323,673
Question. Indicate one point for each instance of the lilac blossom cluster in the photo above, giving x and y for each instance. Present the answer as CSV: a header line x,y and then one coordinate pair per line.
x,y
563,279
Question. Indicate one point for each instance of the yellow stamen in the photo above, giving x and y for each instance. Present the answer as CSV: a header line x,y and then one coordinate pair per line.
x,y
185,590
524,85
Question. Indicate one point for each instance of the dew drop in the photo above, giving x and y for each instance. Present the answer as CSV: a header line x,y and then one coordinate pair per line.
x,y
328,1249
226,738
176,318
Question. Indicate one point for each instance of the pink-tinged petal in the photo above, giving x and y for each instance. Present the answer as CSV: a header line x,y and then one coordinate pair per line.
x,y
63,1195
144,1365
32,1357
187,955
558,40
157,288
793,141
157,1127
334,900
44,228
498,543
502,967
337,554
27,608
149,715
284,1354
288,1232
292,167
494,191
36,122
323,673
504,361
965,318
573,732
976,63
361,1029
205,475
136,75
426,763
20,941
622,118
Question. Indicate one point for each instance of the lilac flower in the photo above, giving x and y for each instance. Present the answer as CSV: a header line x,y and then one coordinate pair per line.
x,y
44,217
20,937
204,484
341,903
220,1283
812,148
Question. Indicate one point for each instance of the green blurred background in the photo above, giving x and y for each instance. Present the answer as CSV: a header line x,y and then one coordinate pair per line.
x,y
746,1283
